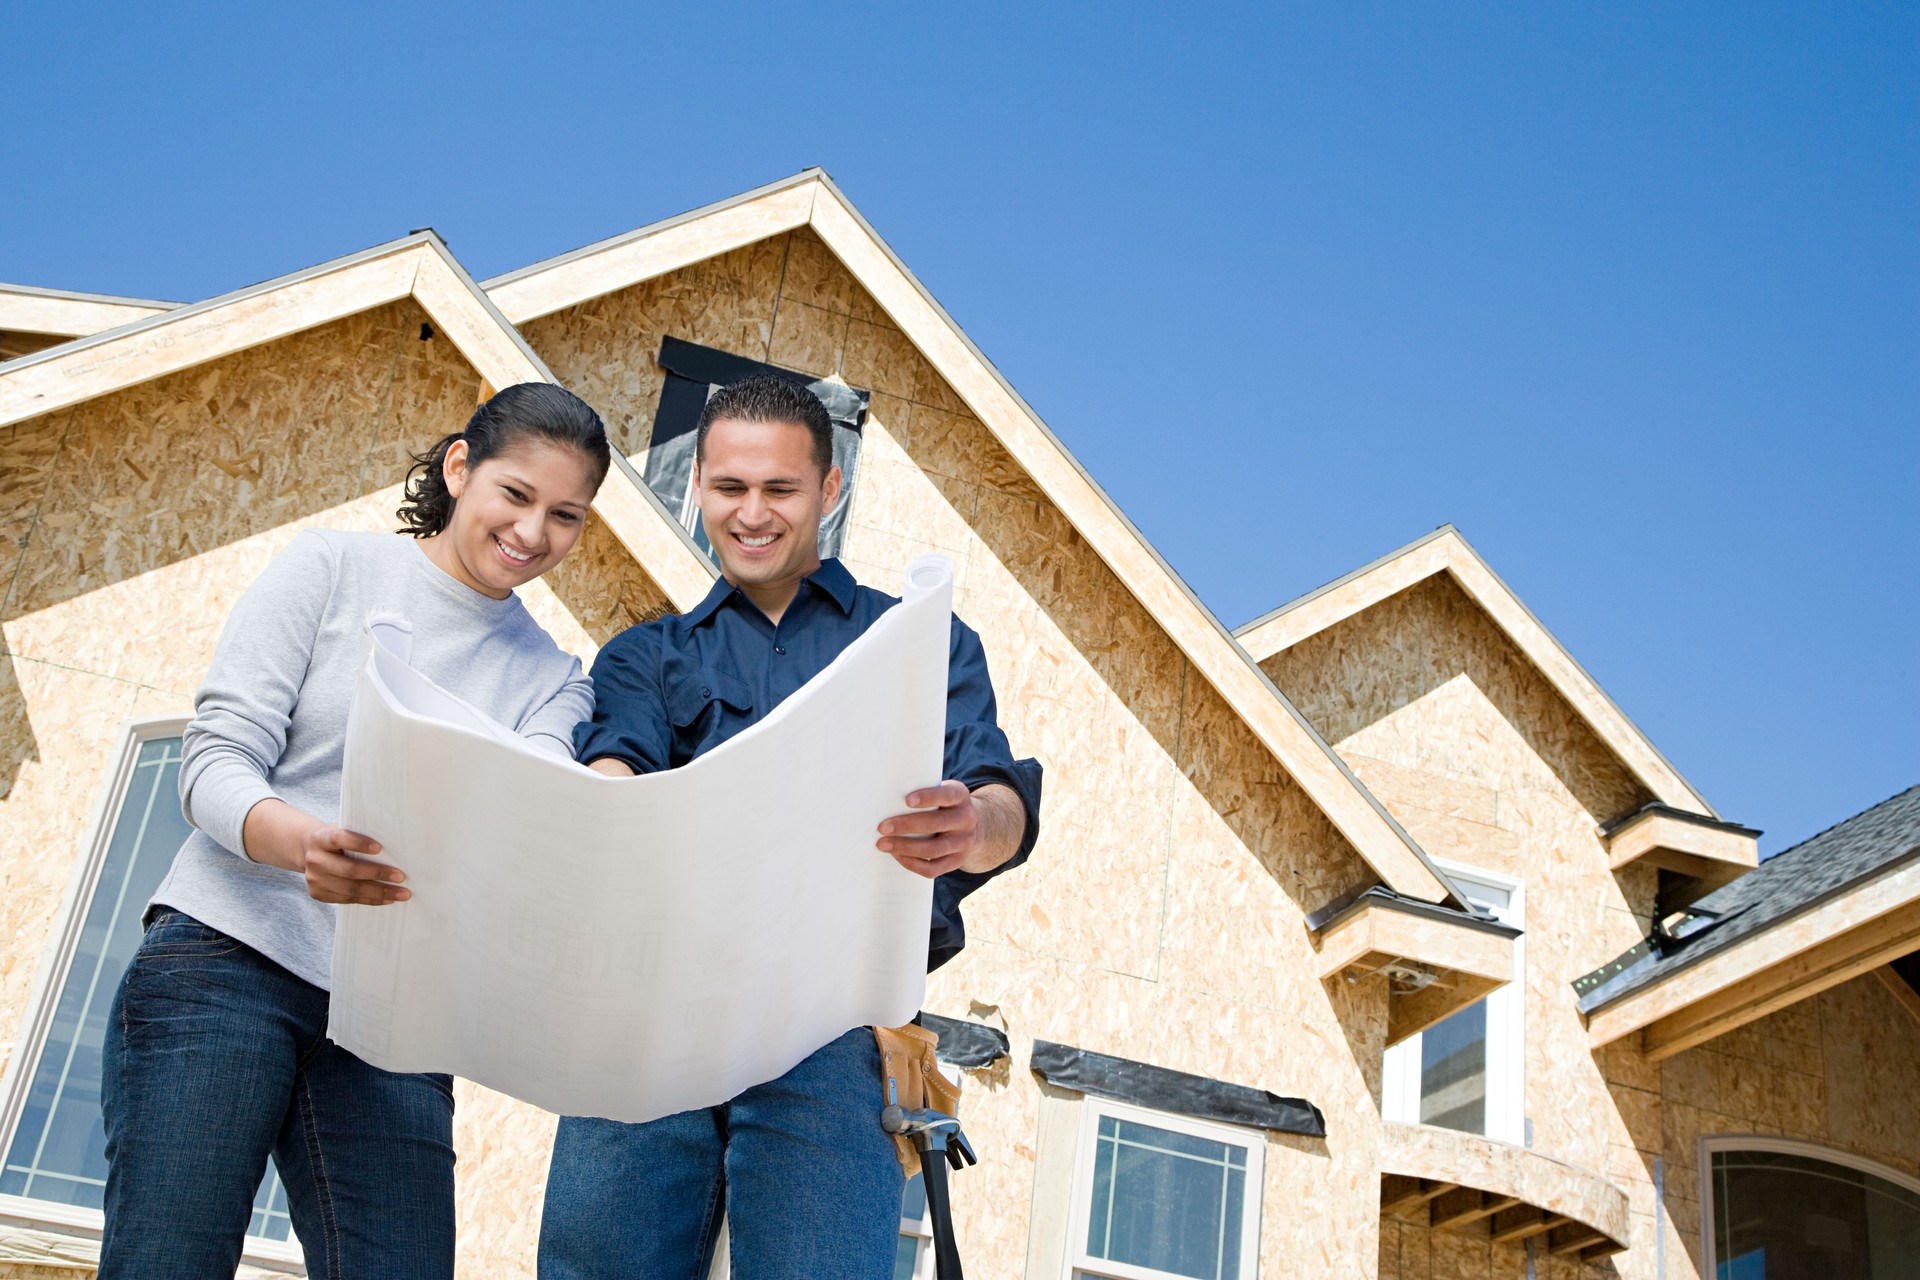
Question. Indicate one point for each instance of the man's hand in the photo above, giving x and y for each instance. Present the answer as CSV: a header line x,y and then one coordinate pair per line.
x,y
955,829
280,835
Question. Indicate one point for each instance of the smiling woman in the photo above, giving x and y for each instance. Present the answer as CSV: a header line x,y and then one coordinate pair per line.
x,y
502,501
214,1052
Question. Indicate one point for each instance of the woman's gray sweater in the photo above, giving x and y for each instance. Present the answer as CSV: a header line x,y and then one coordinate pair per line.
x,y
271,718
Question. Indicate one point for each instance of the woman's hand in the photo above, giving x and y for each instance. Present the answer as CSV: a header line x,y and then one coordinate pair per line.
x,y
280,835
335,875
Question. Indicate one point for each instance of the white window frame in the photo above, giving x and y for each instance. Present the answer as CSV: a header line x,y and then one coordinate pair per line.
x,y
1079,1265
50,976
1718,1142
1506,1029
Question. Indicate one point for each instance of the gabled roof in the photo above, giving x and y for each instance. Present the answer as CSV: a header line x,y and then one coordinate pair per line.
x,y
1445,550
418,266
1829,908
62,313
811,199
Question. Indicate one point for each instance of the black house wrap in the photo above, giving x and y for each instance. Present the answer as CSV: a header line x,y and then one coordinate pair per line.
x,y
1177,1092
968,1045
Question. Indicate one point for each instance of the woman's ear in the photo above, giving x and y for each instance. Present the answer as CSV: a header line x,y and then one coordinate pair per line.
x,y
453,468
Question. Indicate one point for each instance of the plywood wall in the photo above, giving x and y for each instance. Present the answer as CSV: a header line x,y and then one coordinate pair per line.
x,y
1464,742
128,527
1160,917
1841,1070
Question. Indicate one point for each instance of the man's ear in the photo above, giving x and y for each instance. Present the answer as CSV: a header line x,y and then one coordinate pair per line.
x,y
453,468
831,488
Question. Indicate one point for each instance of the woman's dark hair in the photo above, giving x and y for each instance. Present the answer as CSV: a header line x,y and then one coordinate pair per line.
x,y
768,397
537,410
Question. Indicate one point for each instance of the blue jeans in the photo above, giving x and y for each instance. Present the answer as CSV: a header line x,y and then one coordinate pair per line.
x,y
216,1057
806,1177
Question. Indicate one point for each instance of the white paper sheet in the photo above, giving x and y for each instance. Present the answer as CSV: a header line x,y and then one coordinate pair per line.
x,y
634,947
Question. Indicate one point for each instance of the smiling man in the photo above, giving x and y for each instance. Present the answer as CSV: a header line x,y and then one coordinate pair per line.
x,y
806,1176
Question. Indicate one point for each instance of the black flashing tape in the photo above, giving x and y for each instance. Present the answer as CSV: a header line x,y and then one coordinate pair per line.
x,y
711,367
967,1045
1176,1092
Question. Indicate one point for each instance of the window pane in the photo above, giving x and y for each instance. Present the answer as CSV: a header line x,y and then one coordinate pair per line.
x,y
1453,1071
1782,1217
58,1151
905,1255
1170,1201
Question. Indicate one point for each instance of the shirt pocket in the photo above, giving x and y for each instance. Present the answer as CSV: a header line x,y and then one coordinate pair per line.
x,y
707,707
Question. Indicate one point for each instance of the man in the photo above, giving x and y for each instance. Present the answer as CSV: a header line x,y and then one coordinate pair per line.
x,y
800,1166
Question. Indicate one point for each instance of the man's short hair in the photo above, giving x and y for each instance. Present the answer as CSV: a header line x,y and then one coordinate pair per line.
x,y
767,397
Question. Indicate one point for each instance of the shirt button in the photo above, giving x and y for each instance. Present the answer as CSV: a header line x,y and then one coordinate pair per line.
x,y
706,693
780,649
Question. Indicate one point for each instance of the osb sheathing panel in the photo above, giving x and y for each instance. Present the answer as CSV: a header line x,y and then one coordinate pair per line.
x,y
1841,1069
604,349
1478,757
1412,1252
1160,917
138,520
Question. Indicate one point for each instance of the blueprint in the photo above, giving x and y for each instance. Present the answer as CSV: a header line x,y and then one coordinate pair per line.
x,y
633,947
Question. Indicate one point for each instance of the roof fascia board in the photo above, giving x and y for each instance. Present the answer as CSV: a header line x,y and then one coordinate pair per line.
x,y
500,354
179,339
1298,747
63,313
418,266
1793,937
654,250
1446,550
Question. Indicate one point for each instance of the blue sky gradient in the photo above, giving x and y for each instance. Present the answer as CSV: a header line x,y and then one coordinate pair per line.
x,y
1630,293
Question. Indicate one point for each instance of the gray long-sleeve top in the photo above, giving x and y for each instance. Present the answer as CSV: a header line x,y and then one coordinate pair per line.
x,y
271,718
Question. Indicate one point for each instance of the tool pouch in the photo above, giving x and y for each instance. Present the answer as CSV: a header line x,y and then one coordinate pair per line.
x,y
910,1076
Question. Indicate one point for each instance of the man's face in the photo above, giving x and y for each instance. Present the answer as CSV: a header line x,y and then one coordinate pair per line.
x,y
761,500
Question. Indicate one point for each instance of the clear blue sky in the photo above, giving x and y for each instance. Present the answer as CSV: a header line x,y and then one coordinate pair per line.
x,y
1629,292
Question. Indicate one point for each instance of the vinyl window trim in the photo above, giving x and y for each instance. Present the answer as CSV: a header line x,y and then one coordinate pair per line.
x,y
50,976
1506,1113
1079,1265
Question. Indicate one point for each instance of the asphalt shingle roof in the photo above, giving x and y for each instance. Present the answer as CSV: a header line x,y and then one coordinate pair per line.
x,y
1791,881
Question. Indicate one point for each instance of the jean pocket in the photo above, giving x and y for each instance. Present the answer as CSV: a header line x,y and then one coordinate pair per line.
x,y
176,934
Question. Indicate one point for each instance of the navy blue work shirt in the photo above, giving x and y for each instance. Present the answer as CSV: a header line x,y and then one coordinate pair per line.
x,y
669,691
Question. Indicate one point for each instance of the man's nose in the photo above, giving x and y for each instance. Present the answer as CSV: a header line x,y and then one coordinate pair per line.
x,y
753,510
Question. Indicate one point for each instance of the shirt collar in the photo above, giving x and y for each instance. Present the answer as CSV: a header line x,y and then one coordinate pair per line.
x,y
831,578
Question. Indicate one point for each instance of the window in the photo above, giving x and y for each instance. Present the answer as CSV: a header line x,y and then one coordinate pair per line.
x,y
913,1256
1465,1072
692,374
55,1166
1780,1210
1160,1195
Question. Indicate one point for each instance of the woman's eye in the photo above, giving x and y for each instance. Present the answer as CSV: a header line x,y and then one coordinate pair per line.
x,y
514,493
566,517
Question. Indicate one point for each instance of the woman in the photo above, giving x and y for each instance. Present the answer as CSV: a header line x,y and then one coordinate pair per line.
x,y
217,1053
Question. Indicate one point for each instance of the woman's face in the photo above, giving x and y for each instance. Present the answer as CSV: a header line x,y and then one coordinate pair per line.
x,y
515,516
